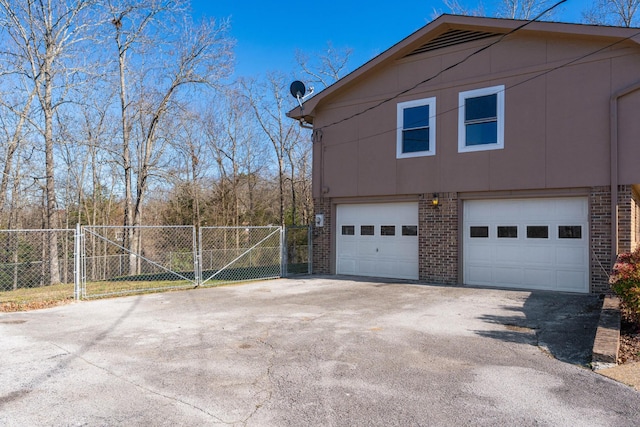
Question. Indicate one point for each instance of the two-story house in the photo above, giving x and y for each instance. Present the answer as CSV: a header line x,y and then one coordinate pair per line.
x,y
482,151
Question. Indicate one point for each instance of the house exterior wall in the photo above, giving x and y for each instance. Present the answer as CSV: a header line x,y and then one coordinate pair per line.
x,y
557,141
635,219
556,125
628,218
625,218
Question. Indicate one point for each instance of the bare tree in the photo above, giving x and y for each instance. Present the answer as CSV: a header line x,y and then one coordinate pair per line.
x,y
326,67
43,35
13,142
172,55
130,20
203,57
613,12
524,9
457,8
267,100
513,9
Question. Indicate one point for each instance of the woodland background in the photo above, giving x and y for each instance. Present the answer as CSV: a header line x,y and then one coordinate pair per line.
x,y
126,112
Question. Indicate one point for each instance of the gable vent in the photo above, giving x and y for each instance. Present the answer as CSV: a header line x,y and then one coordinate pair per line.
x,y
451,38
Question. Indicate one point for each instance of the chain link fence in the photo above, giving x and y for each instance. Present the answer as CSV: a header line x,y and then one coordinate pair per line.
x,y
297,250
120,260
233,254
96,261
37,258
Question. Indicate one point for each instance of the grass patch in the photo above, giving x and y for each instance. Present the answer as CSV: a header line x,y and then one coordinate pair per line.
x,y
25,299
108,288
35,298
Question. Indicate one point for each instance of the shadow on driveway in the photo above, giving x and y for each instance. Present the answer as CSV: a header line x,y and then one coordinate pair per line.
x,y
564,325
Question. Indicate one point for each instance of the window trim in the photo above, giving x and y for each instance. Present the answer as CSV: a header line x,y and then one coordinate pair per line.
x,y
431,102
462,130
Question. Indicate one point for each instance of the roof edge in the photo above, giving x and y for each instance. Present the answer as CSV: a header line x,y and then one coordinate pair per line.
x,y
445,22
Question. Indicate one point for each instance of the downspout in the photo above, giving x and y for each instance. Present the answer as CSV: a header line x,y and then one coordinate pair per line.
x,y
613,117
303,124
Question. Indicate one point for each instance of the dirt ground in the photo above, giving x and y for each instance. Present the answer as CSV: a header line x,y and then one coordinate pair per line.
x,y
629,339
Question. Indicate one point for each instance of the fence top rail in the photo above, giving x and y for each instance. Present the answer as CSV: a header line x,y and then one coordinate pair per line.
x,y
120,227
22,230
247,227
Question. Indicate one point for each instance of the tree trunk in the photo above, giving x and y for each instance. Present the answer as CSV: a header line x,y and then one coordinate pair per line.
x,y
51,214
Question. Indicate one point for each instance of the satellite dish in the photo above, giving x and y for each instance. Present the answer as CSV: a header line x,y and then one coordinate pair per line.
x,y
299,92
297,89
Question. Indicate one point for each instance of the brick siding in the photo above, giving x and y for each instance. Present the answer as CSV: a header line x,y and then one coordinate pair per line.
x,y
438,239
625,217
601,258
321,261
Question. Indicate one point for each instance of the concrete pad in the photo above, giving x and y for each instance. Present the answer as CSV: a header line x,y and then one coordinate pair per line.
x,y
629,374
311,351
607,341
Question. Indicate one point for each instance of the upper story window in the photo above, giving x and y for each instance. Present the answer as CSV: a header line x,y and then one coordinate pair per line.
x,y
481,119
416,134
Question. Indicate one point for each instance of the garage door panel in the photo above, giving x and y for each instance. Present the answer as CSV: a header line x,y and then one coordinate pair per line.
x,y
558,259
376,255
405,269
509,254
507,276
571,256
348,246
538,210
539,278
385,268
568,280
347,266
571,209
480,275
365,249
538,255
481,253
366,267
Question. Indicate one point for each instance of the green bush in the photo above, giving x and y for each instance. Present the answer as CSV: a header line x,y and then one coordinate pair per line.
x,y
625,282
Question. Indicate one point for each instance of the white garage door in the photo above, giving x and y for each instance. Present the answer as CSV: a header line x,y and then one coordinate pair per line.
x,y
527,243
378,240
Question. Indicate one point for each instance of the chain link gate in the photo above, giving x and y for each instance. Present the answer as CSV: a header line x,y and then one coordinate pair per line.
x,y
119,260
116,260
234,254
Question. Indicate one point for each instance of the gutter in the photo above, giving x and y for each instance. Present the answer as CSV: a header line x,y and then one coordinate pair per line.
x,y
613,117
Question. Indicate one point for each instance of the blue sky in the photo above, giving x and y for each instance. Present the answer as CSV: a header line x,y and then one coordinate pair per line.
x,y
268,33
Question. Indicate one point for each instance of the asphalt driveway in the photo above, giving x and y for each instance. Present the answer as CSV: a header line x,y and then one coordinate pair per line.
x,y
311,351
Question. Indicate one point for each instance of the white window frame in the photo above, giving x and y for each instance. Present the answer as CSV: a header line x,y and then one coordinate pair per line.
x,y
462,130
431,102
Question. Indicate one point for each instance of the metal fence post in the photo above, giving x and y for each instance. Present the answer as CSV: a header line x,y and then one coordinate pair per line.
x,y
310,249
76,264
283,252
197,248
